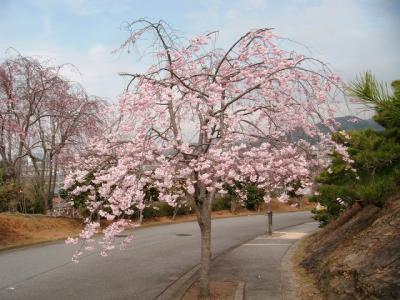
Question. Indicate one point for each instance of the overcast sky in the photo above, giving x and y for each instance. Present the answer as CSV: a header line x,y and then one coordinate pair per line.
x,y
352,36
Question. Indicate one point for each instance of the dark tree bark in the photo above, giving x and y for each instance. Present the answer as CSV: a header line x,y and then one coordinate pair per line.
x,y
203,201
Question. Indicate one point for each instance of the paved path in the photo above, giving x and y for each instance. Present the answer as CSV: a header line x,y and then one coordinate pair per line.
x,y
257,263
156,258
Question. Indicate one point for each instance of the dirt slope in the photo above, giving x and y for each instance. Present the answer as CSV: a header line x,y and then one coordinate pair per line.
x,y
358,255
18,230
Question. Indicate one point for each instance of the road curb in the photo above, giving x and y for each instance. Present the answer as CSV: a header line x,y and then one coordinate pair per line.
x,y
239,295
179,287
288,286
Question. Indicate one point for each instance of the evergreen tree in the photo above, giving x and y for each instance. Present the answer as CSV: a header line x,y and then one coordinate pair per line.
x,y
376,155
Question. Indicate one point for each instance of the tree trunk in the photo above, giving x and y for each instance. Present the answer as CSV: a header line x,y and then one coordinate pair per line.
x,y
176,208
42,181
52,181
140,216
55,172
233,205
49,196
204,220
204,283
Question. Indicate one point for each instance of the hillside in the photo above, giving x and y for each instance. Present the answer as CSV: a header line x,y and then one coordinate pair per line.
x,y
354,123
348,123
357,256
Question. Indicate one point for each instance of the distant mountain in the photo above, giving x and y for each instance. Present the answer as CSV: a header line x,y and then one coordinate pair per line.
x,y
346,123
354,123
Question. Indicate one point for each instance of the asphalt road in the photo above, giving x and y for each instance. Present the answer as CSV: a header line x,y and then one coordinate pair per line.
x,y
156,258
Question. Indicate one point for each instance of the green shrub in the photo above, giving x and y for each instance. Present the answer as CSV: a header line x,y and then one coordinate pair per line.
x,y
35,194
158,209
163,209
186,208
379,187
322,216
9,193
255,197
221,203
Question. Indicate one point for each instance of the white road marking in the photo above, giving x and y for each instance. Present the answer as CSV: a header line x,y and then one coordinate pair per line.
x,y
284,235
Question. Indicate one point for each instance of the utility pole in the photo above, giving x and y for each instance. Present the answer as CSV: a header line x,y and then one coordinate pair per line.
x,y
269,219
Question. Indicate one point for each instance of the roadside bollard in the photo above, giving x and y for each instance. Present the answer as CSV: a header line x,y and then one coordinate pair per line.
x,y
269,222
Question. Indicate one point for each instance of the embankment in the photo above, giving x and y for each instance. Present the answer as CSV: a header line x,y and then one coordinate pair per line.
x,y
358,255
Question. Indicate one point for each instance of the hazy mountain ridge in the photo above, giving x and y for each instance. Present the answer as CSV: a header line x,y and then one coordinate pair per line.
x,y
355,123
347,123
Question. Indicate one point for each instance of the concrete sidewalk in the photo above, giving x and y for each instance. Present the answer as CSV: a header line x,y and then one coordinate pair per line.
x,y
257,263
